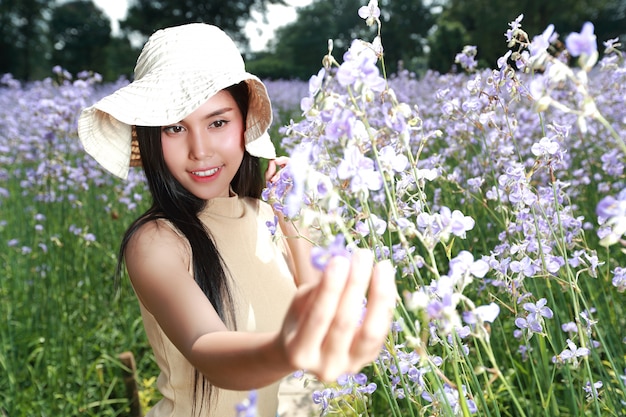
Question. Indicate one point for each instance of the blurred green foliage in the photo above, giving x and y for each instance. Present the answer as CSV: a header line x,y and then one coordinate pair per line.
x,y
418,35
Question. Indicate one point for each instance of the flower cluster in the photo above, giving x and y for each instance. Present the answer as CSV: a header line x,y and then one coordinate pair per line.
x,y
474,185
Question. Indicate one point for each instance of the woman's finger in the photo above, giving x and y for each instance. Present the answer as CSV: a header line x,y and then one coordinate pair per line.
x,y
305,345
282,161
273,165
271,170
345,324
382,298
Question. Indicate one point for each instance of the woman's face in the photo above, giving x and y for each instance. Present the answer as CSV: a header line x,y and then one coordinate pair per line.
x,y
205,149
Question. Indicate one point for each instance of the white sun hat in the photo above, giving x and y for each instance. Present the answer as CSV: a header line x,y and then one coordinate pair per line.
x,y
178,70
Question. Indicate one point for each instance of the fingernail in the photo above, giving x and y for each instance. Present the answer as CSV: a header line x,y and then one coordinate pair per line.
x,y
339,262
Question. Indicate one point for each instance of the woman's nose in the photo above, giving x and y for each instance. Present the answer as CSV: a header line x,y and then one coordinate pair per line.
x,y
199,146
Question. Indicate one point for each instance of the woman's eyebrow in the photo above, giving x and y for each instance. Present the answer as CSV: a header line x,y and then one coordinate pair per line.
x,y
218,112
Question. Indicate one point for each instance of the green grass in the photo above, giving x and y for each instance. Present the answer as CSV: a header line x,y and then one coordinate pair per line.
x,y
64,322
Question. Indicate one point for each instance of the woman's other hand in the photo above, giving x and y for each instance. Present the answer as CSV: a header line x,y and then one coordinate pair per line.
x,y
273,166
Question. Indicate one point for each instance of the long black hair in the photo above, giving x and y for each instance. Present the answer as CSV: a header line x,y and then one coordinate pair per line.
x,y
171,201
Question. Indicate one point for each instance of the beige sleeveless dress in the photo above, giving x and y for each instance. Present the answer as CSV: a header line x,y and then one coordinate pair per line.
x,y
262,287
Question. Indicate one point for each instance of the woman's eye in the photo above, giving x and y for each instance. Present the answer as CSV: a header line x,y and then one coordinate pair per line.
x,y
219,123
173,129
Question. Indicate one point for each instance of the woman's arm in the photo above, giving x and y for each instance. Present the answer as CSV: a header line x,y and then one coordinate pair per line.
x,y
157,260
322,331
299,242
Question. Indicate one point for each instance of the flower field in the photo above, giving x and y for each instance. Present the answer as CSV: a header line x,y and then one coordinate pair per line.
x,y
498,195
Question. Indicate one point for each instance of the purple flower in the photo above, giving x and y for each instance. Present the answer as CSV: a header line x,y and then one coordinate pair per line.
x,y
370,13
524,350
341,124
589,321
446,222
619,279
539,46
350,383
390,161
534,320
360,65
592,390
529,323
437,309
451,396
324,397
375,223
272,225
483,313
503,63
514,28
542,42
467,58
295,176
538,309
371,10
464,264
610,207
459,223
569,327
525,266
248,408
360,169
611,213
321,256
583,43
315,82
546,147
571,353
75,230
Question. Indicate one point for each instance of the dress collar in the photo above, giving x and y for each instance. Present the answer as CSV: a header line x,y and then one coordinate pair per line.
x,y
229,207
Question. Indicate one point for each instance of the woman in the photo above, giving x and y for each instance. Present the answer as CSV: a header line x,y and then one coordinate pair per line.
x,y
227,307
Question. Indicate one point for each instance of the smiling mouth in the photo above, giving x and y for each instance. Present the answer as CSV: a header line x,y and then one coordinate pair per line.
x,y
206,173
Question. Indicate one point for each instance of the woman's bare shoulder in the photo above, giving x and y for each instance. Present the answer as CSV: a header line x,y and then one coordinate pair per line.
x,y
157,241
157,232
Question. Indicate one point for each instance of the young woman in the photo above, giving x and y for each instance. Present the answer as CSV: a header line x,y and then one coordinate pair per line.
x,y
226,306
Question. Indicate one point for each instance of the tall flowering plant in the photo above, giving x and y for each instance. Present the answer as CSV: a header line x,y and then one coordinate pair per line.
x,y
464,181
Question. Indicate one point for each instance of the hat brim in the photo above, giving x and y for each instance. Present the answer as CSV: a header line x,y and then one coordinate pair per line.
x,y
105,128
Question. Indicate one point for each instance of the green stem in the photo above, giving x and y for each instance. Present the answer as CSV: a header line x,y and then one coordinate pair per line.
x,y
494,365
612,131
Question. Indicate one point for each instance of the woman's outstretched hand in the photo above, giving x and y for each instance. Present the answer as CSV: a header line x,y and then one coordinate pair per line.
x,y
328,331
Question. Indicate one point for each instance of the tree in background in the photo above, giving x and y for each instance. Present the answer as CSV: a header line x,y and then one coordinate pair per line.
x,y
449,39
484,22
299,47
146,16
405,27
80,33
121,59
35,35
22,37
